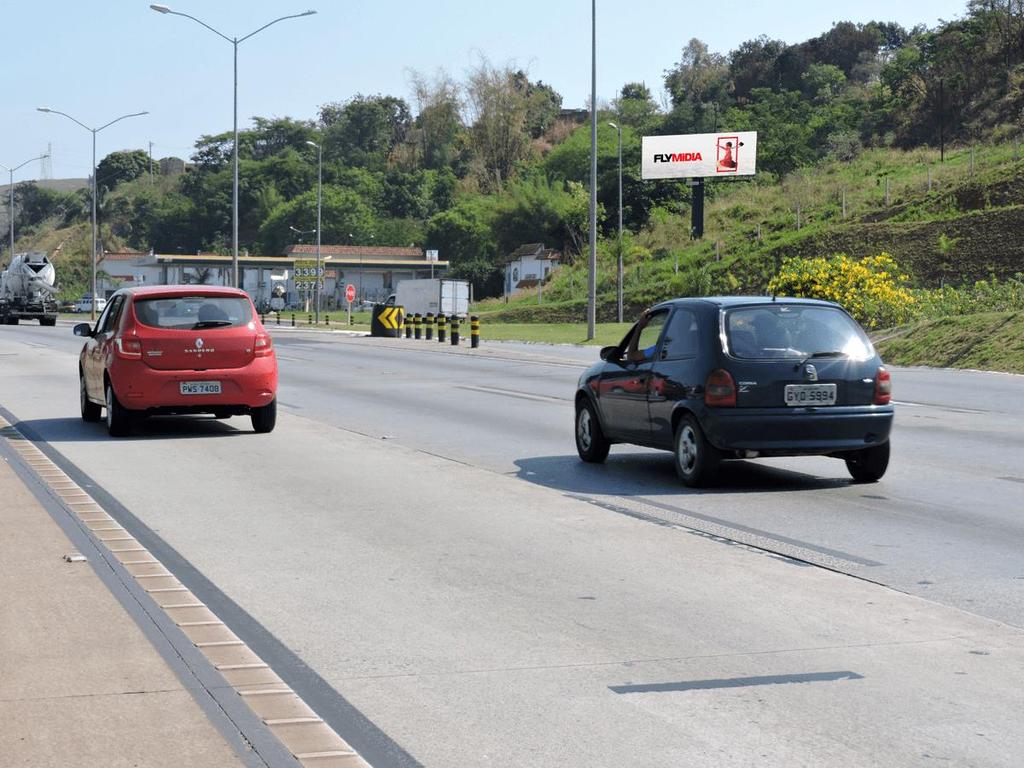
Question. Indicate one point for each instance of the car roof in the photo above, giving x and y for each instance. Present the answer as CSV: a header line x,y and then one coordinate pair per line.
x,y
152,291
735,301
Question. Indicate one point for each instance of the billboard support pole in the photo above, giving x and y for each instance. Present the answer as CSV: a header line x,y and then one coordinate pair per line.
x,y
697,209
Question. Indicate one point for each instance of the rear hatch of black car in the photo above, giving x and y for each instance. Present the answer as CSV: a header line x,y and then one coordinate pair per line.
x,y
784,354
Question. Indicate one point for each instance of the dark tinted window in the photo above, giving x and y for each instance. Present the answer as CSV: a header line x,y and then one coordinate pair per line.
x,y
681,338
194,312
776,331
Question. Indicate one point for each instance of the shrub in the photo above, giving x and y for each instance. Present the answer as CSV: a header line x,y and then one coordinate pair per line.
x,y
991,295
871,289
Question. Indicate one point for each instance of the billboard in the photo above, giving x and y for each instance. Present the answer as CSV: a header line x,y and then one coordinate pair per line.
x,y
697,155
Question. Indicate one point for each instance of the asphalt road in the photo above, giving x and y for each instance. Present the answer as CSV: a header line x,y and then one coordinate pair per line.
x,y
419,532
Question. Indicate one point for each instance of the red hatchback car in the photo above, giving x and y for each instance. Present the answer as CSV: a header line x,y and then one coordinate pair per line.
x,y
177,349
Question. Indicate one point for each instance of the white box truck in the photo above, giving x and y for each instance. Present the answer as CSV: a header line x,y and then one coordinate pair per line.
x,y
436,296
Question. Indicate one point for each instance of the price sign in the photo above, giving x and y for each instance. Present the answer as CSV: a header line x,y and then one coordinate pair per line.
x,y
305,274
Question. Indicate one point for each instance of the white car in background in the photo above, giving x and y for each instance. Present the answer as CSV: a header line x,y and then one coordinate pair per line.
x,y
84,304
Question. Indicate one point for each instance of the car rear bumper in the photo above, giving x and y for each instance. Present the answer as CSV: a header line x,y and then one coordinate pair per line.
x,y
139,387
795,431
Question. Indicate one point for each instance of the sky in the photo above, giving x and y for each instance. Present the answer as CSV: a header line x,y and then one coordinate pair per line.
x,y
100,59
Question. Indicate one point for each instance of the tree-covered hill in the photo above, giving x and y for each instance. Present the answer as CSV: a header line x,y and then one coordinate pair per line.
x,y
477,166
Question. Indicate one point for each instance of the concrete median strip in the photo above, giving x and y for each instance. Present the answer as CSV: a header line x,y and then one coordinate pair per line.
x,y
308,739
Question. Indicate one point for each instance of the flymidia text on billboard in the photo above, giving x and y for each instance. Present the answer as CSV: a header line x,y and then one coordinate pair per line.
x,y
697,155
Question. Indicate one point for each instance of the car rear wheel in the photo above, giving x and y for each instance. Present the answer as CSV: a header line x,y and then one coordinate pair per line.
x,y
591,444
51,321
90,411
264,419
869,464
695,458
119,419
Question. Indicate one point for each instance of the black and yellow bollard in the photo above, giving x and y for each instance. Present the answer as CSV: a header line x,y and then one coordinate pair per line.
x,y
309,320
278,318
474,331
430,326
327,319
455,330
293,321
442,326
417,326
407,321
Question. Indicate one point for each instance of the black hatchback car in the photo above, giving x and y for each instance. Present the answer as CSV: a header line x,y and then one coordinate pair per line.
x,y
738,378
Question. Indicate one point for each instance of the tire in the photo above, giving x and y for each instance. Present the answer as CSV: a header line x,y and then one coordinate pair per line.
x,y
264,419
222,414
90,411
591,443
48,321
119,418
12,320
869,465
696,460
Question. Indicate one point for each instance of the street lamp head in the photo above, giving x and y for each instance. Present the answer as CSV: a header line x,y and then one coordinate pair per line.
x,y
313,144
308,13
43,109
160,8
613,125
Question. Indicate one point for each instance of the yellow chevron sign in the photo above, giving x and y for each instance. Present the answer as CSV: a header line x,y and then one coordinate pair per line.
x,y
389,317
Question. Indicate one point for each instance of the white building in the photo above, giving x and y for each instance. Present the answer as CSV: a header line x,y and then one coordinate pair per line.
x,y
373,270
528,265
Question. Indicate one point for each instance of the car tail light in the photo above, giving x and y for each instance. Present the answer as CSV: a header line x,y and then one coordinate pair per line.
x,y
720,389
129,349
883,387
263,346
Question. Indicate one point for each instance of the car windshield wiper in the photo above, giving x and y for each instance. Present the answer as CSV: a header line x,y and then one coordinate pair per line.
x,y
211,324
814,355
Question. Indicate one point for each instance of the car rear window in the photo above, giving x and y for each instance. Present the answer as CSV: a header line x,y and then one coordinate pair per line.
x,y
783,331
193,312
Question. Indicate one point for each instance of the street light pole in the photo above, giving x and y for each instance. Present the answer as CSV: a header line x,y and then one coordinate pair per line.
x,y
619,291
94,131
234,187
301,233
319,205
10,191
592,277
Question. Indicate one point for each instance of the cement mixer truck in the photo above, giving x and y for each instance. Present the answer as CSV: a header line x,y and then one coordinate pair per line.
x,y
27,290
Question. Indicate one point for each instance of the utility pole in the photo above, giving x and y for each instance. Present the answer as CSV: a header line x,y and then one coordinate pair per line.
x,y
151,163
618,129
592,277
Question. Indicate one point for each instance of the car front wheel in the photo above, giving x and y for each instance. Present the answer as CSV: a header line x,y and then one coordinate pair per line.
x,y
90,411
869,464
119,419
695,458
591,444
264,419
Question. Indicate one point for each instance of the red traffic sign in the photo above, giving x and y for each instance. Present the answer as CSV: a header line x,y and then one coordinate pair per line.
x,y
350,293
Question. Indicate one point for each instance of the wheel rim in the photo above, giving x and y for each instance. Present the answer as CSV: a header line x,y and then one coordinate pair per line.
x,y
110,404
686,453
584,429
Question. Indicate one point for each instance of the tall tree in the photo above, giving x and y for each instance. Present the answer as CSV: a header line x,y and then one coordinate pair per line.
x,y
500,110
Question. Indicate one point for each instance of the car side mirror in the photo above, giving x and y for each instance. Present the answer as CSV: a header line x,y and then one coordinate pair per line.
x,y
83,329
610,354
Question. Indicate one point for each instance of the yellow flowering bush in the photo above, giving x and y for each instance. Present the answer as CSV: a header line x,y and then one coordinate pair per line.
x,y
872,289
